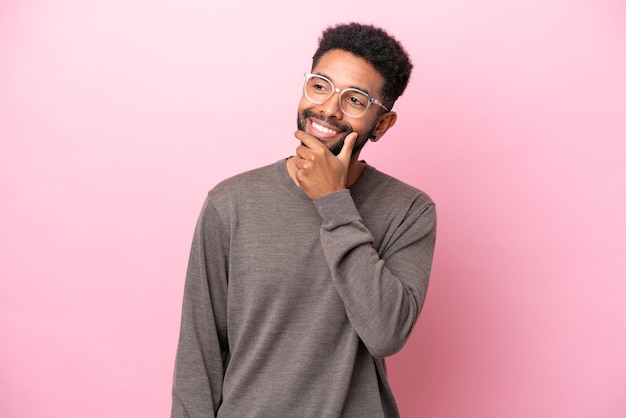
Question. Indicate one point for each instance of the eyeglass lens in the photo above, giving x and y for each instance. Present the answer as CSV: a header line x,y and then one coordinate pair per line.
x,y
352,102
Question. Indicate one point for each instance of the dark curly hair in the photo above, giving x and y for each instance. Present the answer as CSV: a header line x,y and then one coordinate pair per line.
x,y
377,47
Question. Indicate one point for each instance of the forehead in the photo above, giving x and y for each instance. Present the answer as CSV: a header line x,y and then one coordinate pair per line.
x,y
347,70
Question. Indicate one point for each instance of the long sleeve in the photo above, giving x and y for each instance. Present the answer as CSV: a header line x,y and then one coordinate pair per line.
x,y
203,347
383,291
288,301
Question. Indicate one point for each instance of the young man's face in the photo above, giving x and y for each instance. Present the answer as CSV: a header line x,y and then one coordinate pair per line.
x,y
326,121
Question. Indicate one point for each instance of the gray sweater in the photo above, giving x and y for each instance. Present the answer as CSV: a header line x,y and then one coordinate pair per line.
x,y
291,305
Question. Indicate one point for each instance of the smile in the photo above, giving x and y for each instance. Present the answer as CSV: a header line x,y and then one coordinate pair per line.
x,y
323,129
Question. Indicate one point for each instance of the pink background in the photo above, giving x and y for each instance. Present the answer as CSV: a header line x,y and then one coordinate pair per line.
x,y
116,117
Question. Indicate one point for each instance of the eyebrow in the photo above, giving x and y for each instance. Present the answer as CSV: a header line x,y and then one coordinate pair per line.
x,y
352,87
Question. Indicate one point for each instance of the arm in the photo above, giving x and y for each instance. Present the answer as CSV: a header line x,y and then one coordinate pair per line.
x,y
203,348
383,294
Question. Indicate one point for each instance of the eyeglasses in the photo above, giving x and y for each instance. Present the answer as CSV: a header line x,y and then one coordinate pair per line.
x,y
353,102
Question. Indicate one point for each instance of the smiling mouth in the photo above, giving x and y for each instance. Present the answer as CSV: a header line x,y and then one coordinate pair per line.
x,y
323,129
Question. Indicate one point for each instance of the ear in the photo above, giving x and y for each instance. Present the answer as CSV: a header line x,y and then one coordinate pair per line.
x,y
385,121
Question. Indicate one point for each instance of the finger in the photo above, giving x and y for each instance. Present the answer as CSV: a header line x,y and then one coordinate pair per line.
x,y
302,151
348,146
308,140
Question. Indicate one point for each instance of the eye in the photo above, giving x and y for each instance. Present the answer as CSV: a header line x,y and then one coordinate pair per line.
x,y
320,87
356,100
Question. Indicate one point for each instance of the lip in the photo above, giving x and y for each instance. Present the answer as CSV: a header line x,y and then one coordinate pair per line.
x,y
320,133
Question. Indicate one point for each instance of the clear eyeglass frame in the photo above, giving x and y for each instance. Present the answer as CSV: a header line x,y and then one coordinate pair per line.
x,y
368,99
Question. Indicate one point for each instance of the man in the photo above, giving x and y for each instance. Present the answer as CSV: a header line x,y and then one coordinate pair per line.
x,y
305,274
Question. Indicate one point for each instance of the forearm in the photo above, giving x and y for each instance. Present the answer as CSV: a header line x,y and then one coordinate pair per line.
x,y
197,383
382,293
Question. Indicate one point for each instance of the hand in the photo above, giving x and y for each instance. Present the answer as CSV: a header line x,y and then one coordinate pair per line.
x,y
318,171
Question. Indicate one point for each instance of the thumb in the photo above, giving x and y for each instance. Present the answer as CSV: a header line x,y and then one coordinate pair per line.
x,y
348,145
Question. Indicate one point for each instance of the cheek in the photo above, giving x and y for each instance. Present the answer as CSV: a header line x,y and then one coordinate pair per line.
x,y
304,104
364,126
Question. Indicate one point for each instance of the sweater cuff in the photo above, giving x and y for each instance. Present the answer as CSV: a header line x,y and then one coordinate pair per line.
x,y
337,209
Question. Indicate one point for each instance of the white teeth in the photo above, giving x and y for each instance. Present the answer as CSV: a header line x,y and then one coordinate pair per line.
x,y
323,128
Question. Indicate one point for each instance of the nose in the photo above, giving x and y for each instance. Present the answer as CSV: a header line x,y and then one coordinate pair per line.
x,y
332,107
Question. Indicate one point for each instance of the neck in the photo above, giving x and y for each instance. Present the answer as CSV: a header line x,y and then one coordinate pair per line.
x,y
354,170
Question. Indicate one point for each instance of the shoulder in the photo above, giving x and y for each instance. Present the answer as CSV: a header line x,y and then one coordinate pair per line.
x,y
244,183
232,194
389,204
386,188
